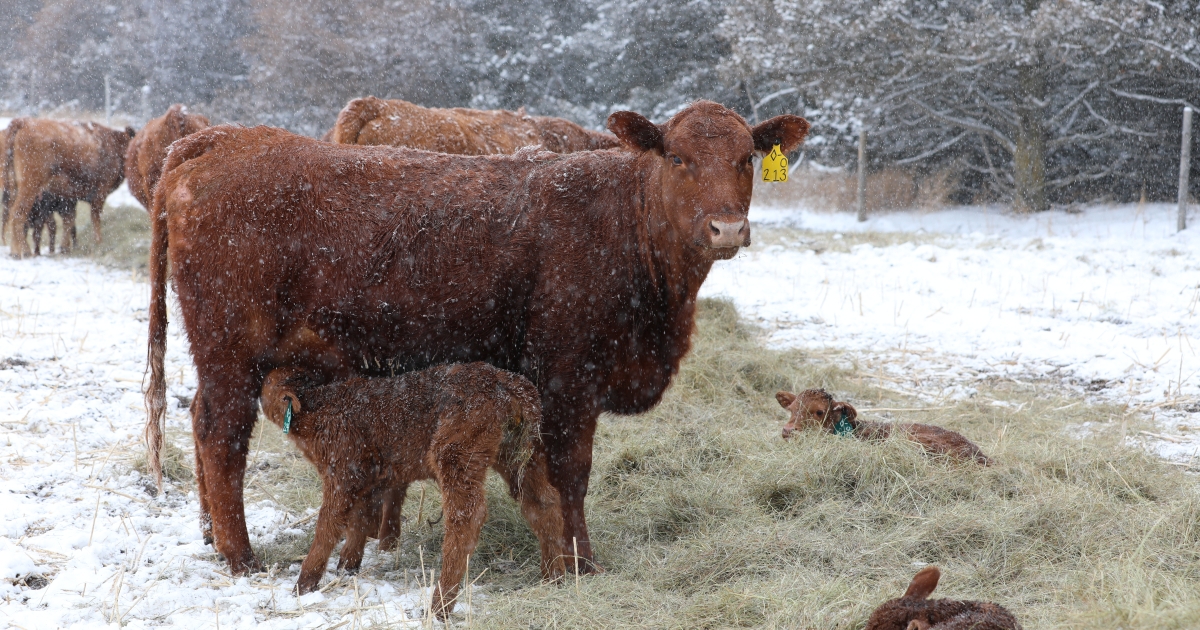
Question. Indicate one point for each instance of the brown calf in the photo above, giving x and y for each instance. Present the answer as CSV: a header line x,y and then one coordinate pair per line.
x,y
914,611
461,131
42,215
371,438
816,409
578,271
72,160
146,152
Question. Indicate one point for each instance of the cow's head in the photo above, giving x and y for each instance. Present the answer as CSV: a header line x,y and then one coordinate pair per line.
x,y
813,409
707,170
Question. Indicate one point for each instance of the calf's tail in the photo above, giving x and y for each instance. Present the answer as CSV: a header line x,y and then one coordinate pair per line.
x,y
156,390
354,117
523,426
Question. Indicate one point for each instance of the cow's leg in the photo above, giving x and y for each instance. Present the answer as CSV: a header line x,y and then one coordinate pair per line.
x,y
19,218
201,487
97,206
36,226
567,434
222,435
389,525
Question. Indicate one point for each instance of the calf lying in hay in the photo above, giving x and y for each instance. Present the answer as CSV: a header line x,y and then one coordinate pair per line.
x,y
371,438
915,611
815,408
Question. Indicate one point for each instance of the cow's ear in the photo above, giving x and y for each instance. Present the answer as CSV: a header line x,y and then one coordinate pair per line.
x,y
787,131
846,410
785,399
130,131
635,131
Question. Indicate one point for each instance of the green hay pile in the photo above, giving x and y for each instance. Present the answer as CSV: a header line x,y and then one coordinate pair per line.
x,y
705,518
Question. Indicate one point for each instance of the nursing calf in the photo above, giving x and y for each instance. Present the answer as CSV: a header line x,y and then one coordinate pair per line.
x,y
371,438
915,611
816,409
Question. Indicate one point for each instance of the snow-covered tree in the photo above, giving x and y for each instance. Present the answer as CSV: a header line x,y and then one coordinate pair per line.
x,y
1041,97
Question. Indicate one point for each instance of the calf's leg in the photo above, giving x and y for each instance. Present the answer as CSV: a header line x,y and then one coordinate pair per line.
x,y
222,435
331,520
362,518
541,508
389,525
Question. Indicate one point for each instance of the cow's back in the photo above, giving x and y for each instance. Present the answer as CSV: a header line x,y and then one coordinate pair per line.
x,y
376,240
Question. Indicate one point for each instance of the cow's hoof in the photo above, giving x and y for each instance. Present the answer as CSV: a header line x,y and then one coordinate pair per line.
x,y
246,566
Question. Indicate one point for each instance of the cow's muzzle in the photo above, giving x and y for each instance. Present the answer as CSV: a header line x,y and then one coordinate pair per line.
x,y
729,233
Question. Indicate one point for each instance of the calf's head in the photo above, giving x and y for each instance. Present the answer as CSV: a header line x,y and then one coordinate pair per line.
x,y
284,386
705,162
813,408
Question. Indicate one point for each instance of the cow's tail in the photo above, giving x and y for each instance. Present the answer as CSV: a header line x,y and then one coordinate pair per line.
x,y
354,117
156,390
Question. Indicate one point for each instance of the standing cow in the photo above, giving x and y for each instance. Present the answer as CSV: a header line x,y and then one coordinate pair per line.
x,y
461,131
578,271
71,160
146,152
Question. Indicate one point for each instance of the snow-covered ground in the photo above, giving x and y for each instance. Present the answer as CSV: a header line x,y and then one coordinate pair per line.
x,y
1105,300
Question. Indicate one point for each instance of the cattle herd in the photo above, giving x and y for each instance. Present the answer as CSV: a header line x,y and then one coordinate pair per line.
x,y
426,294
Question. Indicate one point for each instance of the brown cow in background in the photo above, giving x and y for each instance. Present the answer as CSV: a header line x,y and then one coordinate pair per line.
x,y
72,160
461,131
42,214
146,152
578,271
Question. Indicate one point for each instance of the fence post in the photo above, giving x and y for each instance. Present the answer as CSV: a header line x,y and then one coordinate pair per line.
x,y
1185,164
107,101
862,174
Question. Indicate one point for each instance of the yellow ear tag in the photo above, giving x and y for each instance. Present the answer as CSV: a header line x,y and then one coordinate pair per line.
x,y
775,166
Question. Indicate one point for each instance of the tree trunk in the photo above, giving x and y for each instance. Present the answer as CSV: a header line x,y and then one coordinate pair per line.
x,y
1029,158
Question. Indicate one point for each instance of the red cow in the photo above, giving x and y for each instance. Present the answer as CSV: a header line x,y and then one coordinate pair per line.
x,y
816,409
915,611
146,152
578,271
72,160
372,437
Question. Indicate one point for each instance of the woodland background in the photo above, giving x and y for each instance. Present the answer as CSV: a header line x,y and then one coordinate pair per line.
x,y
1033,102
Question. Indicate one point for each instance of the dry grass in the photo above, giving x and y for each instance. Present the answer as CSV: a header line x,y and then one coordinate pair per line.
x,y
126,232
887,190
705,518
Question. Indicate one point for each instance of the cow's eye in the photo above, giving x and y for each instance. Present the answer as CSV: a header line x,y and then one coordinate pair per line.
x,y
676,160
750,160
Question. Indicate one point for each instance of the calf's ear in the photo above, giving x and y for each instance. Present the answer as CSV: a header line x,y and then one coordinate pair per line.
x,y
845,409
787,131
785,399
291,394
923,582
635,131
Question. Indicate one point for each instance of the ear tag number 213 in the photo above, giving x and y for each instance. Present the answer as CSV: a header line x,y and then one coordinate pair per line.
x,y
775,166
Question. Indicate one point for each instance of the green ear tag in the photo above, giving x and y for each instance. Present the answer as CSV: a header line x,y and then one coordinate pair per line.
x,y
287,418
843,426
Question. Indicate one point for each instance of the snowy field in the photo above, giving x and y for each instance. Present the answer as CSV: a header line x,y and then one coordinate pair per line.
x,y
1103,302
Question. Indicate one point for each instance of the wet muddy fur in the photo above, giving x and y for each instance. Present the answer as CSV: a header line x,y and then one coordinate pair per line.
x,y
815,408
371,438
915,611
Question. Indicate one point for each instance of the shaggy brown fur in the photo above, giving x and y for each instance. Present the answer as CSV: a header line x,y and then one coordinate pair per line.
x,y
371,437
72,160
914,611
375,121
578,271
816,409
146,152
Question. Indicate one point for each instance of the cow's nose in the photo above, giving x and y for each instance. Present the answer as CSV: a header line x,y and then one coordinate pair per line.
x,y
728,233
787,432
